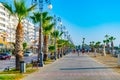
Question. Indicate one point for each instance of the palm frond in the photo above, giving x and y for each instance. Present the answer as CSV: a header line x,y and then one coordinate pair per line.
x,y
48,29
36,17
49,18
61,34
33,19
8,7
21,9
44,14
32,8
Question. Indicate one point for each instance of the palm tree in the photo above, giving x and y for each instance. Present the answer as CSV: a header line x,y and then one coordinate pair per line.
x,y
97,45
20,11
60,43
47,28
106,36
107,43
104,52
66,44
112,44
51,50
108,46
92,45
56,34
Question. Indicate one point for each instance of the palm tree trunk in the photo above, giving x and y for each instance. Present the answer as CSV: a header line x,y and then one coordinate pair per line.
x,y
18,45
61,52
112,45
46,47
104,52
58,55
108,48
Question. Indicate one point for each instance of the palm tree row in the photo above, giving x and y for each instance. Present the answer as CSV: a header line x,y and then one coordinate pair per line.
x,y
21,11
105,46
109,39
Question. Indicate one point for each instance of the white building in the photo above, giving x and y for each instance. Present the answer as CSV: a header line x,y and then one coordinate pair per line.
x,y
29,32
8,25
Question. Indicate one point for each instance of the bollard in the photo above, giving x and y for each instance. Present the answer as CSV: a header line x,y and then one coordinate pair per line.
x,y
118,59
22,67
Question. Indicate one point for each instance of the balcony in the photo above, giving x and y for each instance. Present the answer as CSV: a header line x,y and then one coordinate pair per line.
x,y
3,22
2,10
3,28
3,16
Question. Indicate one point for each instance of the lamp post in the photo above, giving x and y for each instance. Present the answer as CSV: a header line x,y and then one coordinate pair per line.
x,y
61,28
83,43
10,33
55,20
40,5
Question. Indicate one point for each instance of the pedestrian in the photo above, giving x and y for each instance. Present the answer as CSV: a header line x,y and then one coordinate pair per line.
x,y
73,51
83,50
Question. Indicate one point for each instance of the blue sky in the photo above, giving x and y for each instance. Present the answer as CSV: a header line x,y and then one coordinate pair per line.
x,y
92,19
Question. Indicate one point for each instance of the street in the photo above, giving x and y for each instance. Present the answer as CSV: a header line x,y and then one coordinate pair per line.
x,y
11,63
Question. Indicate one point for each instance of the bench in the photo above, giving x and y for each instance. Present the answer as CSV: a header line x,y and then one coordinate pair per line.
x,y
34,63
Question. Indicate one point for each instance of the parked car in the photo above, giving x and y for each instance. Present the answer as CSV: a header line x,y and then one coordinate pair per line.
x,y
4,56
28,53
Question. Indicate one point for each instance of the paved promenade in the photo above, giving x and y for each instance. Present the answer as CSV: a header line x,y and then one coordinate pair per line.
x,y
73,67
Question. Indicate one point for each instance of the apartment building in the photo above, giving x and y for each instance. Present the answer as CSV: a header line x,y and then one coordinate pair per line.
x,y
29,32
8,24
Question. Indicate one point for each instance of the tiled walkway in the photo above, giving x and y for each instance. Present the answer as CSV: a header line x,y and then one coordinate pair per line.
x,y
73,67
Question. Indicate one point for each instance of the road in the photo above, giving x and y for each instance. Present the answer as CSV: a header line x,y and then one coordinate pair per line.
x,y
11,63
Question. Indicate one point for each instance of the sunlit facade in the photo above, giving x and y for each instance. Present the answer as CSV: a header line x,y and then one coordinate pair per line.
x,y
8,24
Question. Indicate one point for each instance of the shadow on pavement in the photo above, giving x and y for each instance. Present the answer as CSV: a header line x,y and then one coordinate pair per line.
x,y
86,68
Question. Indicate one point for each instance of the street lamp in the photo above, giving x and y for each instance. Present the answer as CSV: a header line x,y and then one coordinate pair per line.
x,y
40,5
65,34
62,30
83,43
60,23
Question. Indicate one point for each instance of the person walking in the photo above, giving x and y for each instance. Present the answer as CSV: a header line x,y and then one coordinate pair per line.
x,y
83,50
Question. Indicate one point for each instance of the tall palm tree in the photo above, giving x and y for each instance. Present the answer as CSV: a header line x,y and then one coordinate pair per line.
x,y
104,52
51,50
92,45
47,28
106,36
112,44
56,34
21,11
60,43
107,43
66,46
97,45
108,46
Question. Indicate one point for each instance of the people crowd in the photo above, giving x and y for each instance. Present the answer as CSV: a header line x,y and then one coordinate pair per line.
x,y
80,51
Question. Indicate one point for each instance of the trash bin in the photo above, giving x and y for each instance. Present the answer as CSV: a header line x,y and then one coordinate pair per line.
x,y
22,67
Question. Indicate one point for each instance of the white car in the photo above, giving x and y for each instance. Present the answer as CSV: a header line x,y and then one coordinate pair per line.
x,y
28,53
